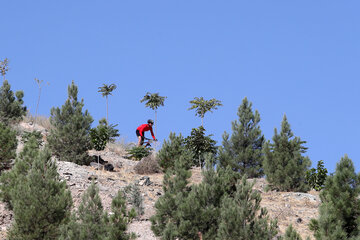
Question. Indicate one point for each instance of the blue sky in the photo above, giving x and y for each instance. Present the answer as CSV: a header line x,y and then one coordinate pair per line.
x,y
299,58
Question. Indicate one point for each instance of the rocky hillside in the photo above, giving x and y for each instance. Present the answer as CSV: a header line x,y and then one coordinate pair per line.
x,y
288,207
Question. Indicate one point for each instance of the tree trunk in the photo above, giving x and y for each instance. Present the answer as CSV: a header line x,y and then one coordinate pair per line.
x,y
37,106
107,111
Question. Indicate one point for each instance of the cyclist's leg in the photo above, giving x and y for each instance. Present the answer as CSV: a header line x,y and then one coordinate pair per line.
x,y
140,138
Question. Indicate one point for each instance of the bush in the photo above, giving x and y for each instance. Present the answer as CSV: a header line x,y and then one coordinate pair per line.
x,y
148,165
199,145
36,134
316,180
139,153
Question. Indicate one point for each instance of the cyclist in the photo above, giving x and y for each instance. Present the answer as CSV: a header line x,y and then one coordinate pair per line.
x,y
140,131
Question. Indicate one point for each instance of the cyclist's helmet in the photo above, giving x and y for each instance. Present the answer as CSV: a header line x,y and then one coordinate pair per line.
x,y
150,121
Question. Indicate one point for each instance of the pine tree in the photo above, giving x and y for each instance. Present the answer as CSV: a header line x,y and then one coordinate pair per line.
x,y
200,210
11,106
8,145
120,218
243,151
175,190
15,176
69,138
89,222
291,234
41,202
339,212
284,165
172,149
185,211
241,216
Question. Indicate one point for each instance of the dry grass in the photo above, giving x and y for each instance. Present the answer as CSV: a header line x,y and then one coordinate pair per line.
x,y
40,120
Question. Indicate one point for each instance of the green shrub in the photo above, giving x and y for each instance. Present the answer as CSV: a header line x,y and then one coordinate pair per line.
x,y
199,144
139,152
316,177
36,134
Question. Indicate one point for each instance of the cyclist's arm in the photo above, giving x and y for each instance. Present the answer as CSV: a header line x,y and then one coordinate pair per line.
x,y
152,134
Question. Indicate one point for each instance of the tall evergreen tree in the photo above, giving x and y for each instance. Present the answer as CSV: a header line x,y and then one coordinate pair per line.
x,y
41,202
11,106
339,212
89,222
15,176
185,211
284,165
241,216
243,151
175,182
117,222
69,138
8,145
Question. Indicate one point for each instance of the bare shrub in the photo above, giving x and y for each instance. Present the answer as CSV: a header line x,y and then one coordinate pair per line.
x,y
148,165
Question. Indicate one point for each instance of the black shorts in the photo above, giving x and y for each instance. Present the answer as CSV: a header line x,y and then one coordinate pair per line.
x,y
139,135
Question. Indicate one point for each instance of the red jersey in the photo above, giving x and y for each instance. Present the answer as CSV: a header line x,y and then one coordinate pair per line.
x,y
145,127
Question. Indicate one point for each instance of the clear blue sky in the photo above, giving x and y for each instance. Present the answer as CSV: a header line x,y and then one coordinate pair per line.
x,y
299,58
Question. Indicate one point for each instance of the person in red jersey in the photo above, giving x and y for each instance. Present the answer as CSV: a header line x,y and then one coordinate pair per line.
x,y
140,131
